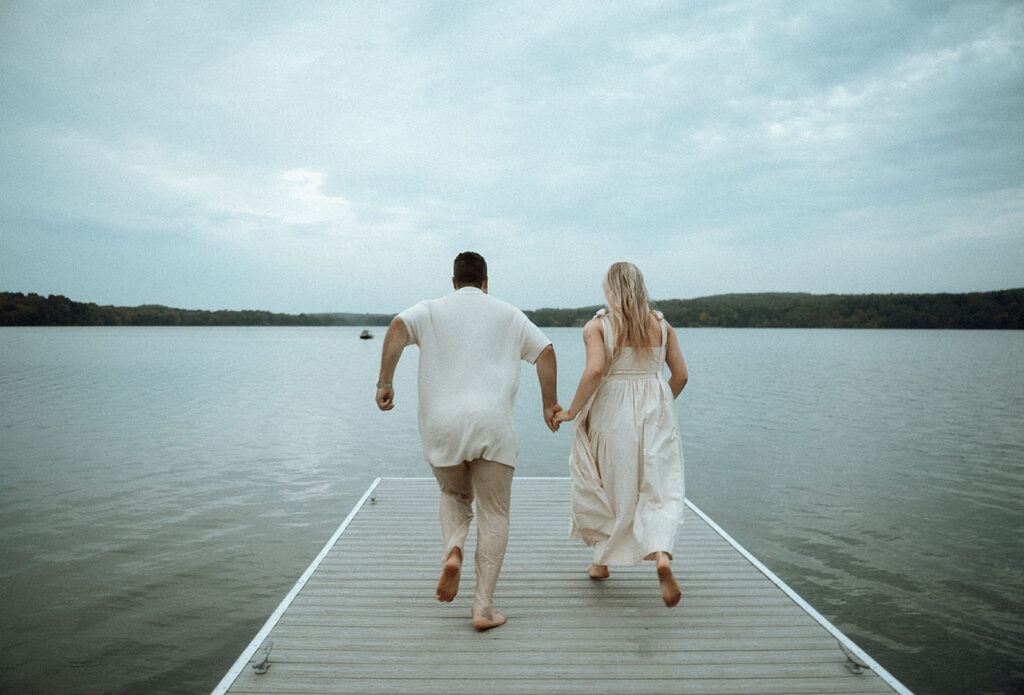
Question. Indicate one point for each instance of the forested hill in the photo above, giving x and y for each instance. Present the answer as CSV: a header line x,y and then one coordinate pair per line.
x,y
1003,309
18,309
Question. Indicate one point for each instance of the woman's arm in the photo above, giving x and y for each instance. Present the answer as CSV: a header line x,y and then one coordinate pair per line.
x,y
593,340
676,363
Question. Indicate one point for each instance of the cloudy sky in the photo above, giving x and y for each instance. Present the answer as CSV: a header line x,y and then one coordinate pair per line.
x,y
335,156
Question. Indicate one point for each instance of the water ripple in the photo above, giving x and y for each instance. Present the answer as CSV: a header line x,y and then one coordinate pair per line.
x,y
163,488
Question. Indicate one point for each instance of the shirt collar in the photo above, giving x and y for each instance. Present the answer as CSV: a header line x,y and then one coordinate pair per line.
x,y
469,289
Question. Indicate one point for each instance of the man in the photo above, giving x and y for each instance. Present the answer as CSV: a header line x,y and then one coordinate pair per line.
x,y
471,346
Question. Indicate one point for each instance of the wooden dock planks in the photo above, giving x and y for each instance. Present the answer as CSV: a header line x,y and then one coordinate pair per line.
x,y
363,617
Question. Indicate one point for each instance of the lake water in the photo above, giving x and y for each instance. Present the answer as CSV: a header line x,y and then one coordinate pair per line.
x,y
161,489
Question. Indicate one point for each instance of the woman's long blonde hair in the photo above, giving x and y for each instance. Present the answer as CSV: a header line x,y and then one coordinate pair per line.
x,y
628,305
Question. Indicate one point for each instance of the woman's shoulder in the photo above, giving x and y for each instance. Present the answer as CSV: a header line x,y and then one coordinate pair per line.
x,y
660,318
594,328
599,317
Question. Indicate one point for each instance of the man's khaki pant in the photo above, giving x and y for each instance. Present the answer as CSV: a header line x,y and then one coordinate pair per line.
x,y
490,484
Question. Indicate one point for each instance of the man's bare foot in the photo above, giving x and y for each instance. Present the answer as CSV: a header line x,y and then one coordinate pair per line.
x,y
598,571
670,593
448,584
481,623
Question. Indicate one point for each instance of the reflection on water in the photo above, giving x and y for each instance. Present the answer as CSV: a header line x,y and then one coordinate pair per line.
x,y
161,489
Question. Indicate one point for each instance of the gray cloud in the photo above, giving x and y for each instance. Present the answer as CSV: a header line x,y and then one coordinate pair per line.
x,y
335,157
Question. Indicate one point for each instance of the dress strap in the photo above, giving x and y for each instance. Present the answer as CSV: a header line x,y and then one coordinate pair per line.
x,y
606,328
661,322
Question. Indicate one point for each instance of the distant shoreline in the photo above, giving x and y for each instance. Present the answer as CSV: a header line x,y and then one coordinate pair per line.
x,y
1001,309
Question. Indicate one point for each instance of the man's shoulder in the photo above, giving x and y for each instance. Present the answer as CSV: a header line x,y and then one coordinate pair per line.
x,y
452,306
502,305
425,304
511,313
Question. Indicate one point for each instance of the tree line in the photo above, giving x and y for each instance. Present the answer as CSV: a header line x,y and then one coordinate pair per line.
x,y
17,309
1003,309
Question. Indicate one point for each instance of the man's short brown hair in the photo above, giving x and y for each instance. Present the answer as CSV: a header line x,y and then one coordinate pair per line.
x,y
470,268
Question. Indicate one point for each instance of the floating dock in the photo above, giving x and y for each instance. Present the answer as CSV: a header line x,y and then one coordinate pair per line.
x,y
363,617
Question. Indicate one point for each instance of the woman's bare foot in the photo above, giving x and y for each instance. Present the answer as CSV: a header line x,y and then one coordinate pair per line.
x,y
670,593
448,584
598,571
481,623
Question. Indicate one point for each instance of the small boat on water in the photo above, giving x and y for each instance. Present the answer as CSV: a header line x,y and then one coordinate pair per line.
x,y
366,335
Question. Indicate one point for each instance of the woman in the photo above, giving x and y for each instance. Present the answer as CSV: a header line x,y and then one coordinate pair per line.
x,y
627,456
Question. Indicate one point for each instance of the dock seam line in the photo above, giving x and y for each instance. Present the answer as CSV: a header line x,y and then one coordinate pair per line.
x,y
229,678
822,620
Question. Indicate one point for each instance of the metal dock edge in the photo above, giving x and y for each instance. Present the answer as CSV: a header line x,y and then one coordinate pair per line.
x,y
363,617
247,653
799,600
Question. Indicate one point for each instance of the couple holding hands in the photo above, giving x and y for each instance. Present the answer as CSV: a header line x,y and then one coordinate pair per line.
x,y
626,462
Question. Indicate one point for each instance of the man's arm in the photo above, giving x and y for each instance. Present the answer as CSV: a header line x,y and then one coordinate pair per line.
x,y
547,374
394,342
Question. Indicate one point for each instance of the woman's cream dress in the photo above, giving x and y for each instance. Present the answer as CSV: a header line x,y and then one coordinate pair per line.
x,y
627,460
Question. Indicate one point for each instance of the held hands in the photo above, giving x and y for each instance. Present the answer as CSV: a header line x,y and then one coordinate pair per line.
x,y
550,413
560,417
555,416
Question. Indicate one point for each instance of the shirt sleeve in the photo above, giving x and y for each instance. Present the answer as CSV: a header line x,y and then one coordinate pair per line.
x,y
532,341
415,318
